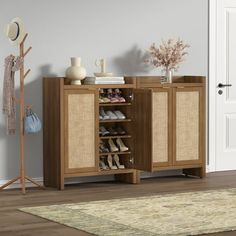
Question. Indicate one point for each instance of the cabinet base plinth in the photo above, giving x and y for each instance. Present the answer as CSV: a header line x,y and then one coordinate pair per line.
x,y
132,178
198,172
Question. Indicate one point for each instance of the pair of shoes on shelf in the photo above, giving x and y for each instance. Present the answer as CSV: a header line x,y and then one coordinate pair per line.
x,y
115,95
111,131
102,96
102,163
111,115
103,131
121,145
113,163
117,162
103,115
111,96
102,147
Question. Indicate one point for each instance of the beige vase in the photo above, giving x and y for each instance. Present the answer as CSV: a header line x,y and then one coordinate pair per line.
x,y
76,72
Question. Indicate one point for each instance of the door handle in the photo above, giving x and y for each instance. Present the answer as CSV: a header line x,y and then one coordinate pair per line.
x,y
220,85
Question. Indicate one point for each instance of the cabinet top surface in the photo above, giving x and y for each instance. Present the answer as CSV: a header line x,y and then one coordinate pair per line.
x,y
138,82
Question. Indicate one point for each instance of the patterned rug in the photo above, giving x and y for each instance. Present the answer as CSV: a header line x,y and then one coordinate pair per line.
x,y
190,213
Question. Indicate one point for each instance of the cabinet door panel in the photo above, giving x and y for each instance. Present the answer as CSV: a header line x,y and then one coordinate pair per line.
x,y
162,126
80,130
187,125
142,126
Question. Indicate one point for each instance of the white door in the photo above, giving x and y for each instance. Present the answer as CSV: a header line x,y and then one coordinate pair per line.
x,y
225,89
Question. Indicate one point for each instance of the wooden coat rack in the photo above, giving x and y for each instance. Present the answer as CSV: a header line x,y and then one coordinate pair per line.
x,y
22,177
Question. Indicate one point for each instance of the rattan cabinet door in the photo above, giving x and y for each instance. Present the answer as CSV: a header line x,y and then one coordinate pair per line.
x,y
162,127
187,125
80,130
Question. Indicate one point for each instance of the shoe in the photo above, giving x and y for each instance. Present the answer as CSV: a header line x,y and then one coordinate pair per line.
x,y
120,130
102,147
118,95
112,131
112,115
104,115
111,96
103,96
101,100
117,162
113,147
121,145
102,164
120,115
110,163
103,131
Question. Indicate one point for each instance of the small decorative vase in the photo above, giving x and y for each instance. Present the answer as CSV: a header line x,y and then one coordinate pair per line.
x,y
169,75
76,72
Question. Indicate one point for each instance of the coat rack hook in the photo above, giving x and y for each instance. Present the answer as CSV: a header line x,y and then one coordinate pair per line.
x,y
27,51
27,72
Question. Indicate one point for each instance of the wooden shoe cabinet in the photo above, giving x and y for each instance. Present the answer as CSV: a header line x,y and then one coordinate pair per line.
x,y
164,124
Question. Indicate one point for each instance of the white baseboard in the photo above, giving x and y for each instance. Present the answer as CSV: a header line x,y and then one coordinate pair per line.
x,y
17,183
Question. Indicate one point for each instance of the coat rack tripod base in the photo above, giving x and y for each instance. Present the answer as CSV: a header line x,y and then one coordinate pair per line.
x,y
23,177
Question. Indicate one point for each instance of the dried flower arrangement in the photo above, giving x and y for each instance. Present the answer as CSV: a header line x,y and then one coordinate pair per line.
x,y
168,55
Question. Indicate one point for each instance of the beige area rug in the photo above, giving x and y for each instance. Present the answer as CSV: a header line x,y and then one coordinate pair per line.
x,y
190,213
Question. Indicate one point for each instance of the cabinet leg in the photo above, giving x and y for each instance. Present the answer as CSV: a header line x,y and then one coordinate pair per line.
x,y
132,178
199,172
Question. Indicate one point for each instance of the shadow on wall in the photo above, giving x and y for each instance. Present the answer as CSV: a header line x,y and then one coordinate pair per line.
x,y
33,142
132,62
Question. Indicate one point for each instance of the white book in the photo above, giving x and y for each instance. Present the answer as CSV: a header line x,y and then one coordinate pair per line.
x,y
104,82
115,78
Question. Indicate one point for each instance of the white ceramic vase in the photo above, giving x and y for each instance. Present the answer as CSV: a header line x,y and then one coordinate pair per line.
x,y
76,72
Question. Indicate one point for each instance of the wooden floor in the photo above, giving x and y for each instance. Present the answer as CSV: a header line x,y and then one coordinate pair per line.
x,y
14,222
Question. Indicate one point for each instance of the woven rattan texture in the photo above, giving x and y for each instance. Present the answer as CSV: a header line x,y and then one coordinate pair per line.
x,y
187,125
160,126
81,130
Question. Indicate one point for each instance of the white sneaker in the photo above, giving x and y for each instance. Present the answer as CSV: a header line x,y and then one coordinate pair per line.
x,y
104,115
120,115
112,115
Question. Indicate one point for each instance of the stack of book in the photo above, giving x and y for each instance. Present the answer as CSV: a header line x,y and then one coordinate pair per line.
x,y
104,80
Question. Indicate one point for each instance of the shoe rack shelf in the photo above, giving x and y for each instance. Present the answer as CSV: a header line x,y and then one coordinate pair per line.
x,y
160,132
115,136
115,104
112,153
115,121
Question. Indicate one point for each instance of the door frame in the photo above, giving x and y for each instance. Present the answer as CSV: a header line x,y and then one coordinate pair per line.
x,y
212,85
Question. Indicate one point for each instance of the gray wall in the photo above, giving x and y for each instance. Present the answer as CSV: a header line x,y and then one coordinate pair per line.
x,y
119,31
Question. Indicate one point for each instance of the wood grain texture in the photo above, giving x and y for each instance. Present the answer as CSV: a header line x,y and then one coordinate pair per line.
x,y
52,131
16,223
181,83
142,126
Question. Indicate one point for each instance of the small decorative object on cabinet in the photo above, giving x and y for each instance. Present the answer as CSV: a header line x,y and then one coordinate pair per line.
x,y
102,63
168,56
76,72
120,130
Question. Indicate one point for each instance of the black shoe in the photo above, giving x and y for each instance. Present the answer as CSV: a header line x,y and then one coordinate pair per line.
x,y
112,131
120,130
102,147
103,131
